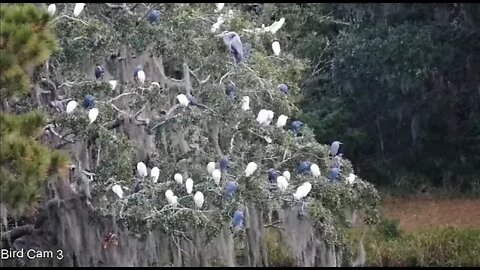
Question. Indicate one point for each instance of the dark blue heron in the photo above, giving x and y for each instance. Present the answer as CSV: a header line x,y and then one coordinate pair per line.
x,y
234,44
231,188
88,102
154,16
231,90
237,220
272,175
224,164
283,88
191,99
138,186
296,125
333,174
303,167
99,72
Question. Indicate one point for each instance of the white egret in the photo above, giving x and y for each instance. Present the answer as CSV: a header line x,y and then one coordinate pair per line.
x,y
262,116
52,8
189,185
118,190
155,173
334,148
141,76
198,199
78,9
251,167
315,170
219,7
113,84
282,183
217,175
302,191
351,178
246,103
287,175
141,169
183,100
282,120
92,114
270,115
210,167
276,25
173,200
178,178
71,106
276,48
168,194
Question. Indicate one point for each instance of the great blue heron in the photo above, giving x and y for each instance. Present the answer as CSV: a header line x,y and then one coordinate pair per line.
x,y
234,44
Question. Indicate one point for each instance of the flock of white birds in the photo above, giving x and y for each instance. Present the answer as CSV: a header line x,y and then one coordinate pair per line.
x,y
264,118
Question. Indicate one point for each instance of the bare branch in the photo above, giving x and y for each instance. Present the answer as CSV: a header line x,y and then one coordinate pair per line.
x,y
68,17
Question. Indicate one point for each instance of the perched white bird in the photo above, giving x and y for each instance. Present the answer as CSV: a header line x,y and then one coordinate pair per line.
x,y
155,173
189,185
351,178
118,190
168,194
276,48
251,168
262,116
282,183
315,170
141,169
210,167
71,106
282,120
156,84
183,100
246,103
141,76
286,174
78,9
52,8
173,200
219,7
92,114
113,84
178,178
198,199
276,25
270,115
217,175
302,191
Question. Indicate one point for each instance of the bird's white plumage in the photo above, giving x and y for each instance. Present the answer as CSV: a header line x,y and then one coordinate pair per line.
x,y
92,114
276,25
113,84
210,167
251,168
270,115
262,116
118,190
351,178
287,175
268,139
155,173
198,199
183,100
156,84
217,175
246,103
282,183
216,25
276,48
141,169
173,200
282,120
141,76
334,148
315,170
168,193
178,178
219,7
189,185
78,9
302,191
52,8
71,106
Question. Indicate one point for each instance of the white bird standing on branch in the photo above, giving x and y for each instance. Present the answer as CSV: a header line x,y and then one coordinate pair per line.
x,y
113,84
118,190
351,178
219,7
141,76
246,103
198,199
189,185
92,114
287,175
262,116
270,115
78,9
210,167
71,106
52,8
282,121
217,175
282,183
155,173
168,193
276,48
141,169
178,178
315,170
302,191
251,168
276,25
183,100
